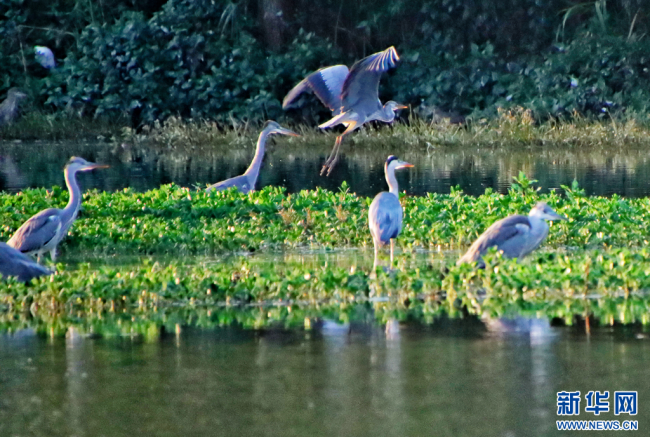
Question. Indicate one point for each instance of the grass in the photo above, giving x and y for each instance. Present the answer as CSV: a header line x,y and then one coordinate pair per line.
x,y
510,128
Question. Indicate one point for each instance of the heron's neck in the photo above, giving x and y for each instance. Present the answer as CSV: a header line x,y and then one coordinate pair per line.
x,y
538,227
254,169
392,182
72,208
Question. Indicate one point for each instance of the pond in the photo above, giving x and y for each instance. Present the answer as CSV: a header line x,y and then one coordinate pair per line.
x,y
465,377
599,170
189,370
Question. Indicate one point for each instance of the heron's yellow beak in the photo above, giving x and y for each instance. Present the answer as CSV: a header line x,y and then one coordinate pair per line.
x,y
96,166
289,132
404,165
402,107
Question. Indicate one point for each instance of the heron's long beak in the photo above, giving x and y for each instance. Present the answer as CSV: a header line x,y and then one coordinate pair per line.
x,y
95,166
559,216
284,131
401,107
404,164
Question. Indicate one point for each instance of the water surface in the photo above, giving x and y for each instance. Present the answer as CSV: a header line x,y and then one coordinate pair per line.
x,y
462,377
601,170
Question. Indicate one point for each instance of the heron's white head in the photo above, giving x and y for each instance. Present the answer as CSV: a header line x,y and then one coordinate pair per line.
x,y
392,164
394,106
79,164
545,212
272,127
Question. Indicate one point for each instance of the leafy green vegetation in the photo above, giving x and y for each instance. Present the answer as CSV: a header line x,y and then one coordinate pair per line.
x,y
232,62
596,264
174,219
610,286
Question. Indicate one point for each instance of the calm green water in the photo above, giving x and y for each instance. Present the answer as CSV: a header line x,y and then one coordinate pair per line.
x,y
453,378
601,171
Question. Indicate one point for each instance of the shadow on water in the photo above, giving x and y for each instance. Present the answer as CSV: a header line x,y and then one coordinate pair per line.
x,y
600,171
459,377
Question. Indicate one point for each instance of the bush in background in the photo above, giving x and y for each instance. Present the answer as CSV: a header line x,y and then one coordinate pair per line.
x,y
234,61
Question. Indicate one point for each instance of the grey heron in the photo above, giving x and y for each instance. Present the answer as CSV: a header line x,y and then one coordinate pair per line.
x,y
352,96
43,231
516,236
385,214
246,182
15,263
9,107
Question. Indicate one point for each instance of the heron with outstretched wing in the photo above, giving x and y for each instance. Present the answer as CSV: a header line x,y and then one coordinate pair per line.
x,y
352,95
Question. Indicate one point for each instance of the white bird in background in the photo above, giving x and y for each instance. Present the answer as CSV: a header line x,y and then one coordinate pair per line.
x,y
45,57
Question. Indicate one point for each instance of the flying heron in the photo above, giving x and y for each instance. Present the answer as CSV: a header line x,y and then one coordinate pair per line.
x,y
15,263
516,236
385,214
246,182
43,231
9,107
352,96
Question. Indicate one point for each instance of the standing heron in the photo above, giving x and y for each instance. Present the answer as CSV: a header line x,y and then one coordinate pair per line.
x,y
516,236
45,230
385,214
352,96
246,182
9,107
15,263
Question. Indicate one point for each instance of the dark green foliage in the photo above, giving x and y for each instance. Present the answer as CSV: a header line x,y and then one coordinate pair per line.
x,y
146,61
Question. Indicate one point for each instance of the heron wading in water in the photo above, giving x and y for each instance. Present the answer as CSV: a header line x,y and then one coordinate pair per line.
x,y
246,182
352,95
16,263
9,107
45,230
385,214
516,236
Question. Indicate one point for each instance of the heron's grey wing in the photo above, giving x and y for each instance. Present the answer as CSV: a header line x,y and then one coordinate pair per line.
x,y
326,83
506,234
240,182
37,231
15,263
361,87
385,217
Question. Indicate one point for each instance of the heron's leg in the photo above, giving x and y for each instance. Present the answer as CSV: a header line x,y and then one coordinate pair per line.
x,y
39,256
331,160
392,248
53,254
376,263
374,266
334,156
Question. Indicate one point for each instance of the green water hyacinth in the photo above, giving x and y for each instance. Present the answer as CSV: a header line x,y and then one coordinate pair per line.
x,y
611,286
595,265
177,220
